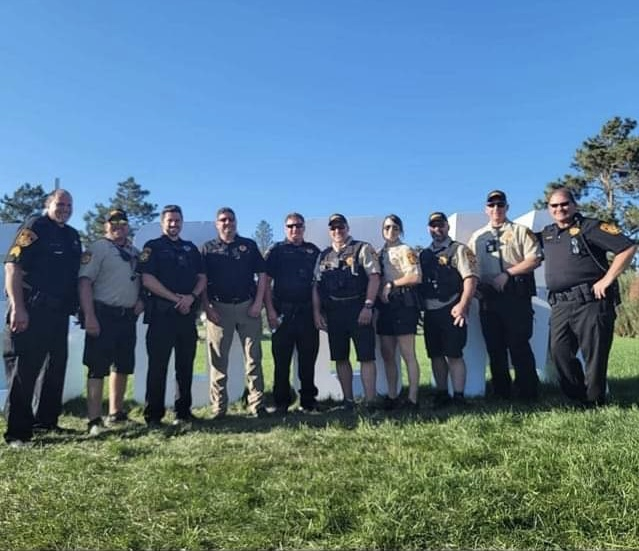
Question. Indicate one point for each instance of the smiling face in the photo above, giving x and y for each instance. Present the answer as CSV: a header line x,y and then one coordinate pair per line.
x,y
496,211
562,208
226,226
117,231
172,225
438,230
294,230
60,207
338,233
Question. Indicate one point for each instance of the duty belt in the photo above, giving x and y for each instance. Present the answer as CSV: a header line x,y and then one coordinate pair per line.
x,y
234,300
344,299
113,311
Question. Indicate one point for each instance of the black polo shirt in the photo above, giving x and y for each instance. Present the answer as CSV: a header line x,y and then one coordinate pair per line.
x,y
231,268
291,267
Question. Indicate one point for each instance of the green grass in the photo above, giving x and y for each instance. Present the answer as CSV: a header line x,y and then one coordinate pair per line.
x,y
487,477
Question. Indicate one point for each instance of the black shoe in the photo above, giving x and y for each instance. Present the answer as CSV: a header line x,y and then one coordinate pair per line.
x,y
441,400
411,407
95,426
185,419
260,413
117,417
47,427
154,424
390,403
348,405
309,408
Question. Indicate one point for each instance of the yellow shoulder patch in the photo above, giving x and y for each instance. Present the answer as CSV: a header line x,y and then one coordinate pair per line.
x,y
145,254
411,257
574,231
15,251
86,257
610,228
26,237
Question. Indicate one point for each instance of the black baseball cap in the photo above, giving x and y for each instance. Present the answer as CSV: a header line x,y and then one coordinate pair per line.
x,y
496,195
337,219
437,217
117,215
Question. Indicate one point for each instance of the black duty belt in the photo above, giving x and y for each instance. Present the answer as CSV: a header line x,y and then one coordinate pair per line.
x,y
345,299
113,311
234,300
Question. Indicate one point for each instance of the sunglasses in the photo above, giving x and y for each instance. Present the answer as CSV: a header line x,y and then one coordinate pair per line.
x,y
391,227
498,204
117,223
224,220
338,227
558,205
296,225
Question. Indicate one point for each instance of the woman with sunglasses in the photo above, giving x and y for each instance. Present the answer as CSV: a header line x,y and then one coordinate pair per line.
x,y
398,310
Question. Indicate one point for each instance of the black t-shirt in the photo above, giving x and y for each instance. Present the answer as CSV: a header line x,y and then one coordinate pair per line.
x,y
49,255
176,264
291,267
567,261
231,268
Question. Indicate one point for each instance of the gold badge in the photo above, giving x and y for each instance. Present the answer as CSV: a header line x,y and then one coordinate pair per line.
x,y
574,231
612,229
145,254
411,257
349,261
443,260
507,237
86,257
25,238
15,251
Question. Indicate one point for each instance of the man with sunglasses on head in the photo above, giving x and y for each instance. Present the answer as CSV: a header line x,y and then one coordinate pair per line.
x,y
173,276
583,294
507,255
289,307
233,302
109,289
347,277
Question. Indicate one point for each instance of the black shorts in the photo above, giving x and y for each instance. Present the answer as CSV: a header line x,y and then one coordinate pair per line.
x,y
442,338
397,319
343,326
113,347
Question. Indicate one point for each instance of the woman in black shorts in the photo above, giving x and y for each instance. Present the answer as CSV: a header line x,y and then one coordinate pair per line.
x,y
398,310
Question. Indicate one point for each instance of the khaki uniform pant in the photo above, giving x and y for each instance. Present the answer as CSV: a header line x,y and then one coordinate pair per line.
x,y
234,317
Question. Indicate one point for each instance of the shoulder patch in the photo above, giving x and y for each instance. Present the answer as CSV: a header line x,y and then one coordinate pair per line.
x,y
612,229
574,231
145,254
470,257
411,257
86,257
26,237
15,251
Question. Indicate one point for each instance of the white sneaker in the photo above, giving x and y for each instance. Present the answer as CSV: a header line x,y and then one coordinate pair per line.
x,y
18,444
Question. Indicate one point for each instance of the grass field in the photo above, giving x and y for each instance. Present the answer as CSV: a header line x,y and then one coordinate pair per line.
x,y
489,476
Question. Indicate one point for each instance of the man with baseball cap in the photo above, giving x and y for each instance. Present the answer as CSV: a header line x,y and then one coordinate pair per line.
x,y
449,279
109,290
507,254
345,285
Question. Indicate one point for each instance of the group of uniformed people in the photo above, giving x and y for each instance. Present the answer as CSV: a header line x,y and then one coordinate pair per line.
x,y
349,290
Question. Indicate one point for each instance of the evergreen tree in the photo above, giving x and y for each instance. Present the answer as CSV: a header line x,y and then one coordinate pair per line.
x,y
26,201
263,236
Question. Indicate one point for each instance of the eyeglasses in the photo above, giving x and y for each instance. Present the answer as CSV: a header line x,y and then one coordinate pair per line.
x,y
338,227
295,225
559,205
118,223
224,220
498,204
391,227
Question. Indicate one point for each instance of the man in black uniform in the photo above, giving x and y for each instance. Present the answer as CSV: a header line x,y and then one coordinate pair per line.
x,y
233,302
173,274
289,265
41,283
346,281
583,294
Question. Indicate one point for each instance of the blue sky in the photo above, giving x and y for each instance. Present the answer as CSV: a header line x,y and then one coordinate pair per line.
x,y
362,107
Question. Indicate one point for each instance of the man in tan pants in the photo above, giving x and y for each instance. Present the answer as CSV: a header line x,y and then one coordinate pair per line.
x,y
233,302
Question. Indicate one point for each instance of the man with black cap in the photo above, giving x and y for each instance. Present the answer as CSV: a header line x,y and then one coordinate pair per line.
x,y
346,281
507,254
41,283
109,289
449,279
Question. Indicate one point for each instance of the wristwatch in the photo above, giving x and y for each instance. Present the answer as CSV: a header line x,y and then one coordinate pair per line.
x,y
368,304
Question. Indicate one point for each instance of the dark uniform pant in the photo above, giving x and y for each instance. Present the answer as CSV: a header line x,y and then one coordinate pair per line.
x,y
297,330
168,331
507,324
35,363
589,327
